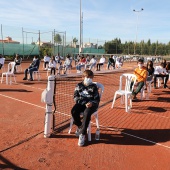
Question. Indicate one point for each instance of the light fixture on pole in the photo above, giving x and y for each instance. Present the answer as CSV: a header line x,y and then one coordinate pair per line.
x,y
80,29
137,27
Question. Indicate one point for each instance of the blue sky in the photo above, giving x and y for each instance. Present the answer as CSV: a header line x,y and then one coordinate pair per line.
x,y
103,20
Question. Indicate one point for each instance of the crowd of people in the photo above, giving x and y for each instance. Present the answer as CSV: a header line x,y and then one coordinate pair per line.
x,y
149,73
56,64
86,95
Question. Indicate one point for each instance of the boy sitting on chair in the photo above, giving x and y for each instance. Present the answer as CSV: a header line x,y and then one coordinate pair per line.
x,y
87,99
141,75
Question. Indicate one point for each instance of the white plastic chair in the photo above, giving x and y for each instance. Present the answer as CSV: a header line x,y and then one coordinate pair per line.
x,y
125,92
68,70
159,79
149,88
95,114
37,75
9,73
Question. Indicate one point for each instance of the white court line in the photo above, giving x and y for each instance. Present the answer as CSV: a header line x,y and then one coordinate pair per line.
x,y
22,101
135,136
152,113
30,86
91,122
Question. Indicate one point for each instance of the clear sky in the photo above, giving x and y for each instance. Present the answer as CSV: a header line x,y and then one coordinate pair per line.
x,y
102,19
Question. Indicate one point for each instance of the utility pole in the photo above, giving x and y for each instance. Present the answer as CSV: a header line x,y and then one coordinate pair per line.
x,y
137,27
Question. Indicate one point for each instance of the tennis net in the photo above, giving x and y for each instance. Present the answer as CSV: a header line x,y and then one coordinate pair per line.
x,y
65,86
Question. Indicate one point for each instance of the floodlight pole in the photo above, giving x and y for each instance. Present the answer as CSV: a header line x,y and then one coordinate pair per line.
x,y
137,27
80,30
23,43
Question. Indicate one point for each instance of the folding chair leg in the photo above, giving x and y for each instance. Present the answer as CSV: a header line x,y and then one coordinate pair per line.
x,y
97,120
114,100
126,103
2,78
6,79
71,124
89,132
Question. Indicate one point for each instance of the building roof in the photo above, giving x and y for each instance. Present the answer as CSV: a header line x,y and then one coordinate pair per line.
x,y
9,40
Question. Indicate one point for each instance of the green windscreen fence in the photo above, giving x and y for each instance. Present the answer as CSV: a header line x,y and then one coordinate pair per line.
x,y
9,49
21,49
67,50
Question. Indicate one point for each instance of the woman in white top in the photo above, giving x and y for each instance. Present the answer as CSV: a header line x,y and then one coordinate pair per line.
x,y
160,71
91,64
101,62
66,65
46,61
52,65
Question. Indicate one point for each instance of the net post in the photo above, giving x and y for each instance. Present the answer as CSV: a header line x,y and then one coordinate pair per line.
x,y
49,103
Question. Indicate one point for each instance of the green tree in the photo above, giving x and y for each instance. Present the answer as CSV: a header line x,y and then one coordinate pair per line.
x,y
45,50
58,39
75,40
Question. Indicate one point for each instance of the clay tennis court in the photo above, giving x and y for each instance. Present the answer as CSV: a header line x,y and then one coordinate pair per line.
x,y
128,141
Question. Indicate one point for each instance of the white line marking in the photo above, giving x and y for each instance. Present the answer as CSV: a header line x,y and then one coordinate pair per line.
x,y
135,136
31,86
124,133
22,101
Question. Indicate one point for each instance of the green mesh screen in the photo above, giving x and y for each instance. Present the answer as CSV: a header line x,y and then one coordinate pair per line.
x,y
26,49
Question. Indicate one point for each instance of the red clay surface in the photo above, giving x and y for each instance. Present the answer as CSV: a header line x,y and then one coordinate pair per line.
x,y
139,140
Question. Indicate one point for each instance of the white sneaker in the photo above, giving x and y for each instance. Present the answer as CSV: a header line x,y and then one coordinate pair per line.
x,y
81,140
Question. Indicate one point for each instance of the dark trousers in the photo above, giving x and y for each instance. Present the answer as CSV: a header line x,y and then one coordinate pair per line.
x,y
160,75
1,65
138,87
30,71
53,70
111,64
16,64
87,112
45,63
98,66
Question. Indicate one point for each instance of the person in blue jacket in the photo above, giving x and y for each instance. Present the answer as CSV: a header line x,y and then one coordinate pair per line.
x,y
34,66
